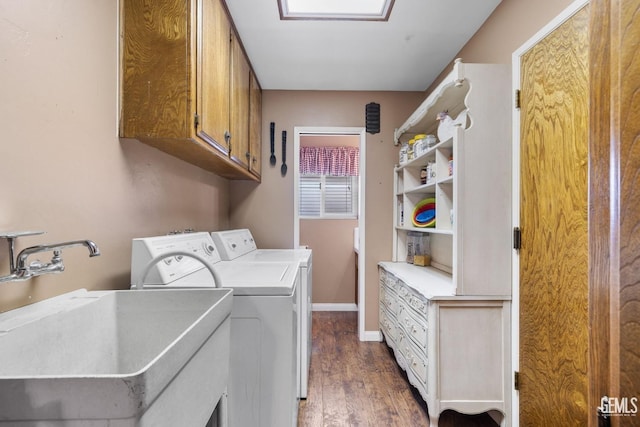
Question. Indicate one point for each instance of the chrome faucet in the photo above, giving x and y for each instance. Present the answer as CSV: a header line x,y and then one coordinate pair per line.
x,y
21,271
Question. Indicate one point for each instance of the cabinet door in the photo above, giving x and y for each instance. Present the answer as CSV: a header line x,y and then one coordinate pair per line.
x,y
156,80
255,126
213,74
239,144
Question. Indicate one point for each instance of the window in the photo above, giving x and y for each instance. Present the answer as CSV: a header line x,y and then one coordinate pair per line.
x,y
361,10
326,196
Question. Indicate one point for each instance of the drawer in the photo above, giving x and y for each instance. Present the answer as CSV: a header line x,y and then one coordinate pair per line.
x,y
418,304
394,283
388,325
404,344
415,327
418,365
413,300
416,360
389,300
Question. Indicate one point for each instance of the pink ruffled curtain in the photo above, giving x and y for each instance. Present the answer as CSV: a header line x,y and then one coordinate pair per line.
x,y
334,161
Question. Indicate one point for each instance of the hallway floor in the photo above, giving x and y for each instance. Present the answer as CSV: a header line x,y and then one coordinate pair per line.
x,y
353,383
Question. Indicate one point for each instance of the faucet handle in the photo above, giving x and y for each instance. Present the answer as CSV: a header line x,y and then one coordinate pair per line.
x,y
57,257
36,264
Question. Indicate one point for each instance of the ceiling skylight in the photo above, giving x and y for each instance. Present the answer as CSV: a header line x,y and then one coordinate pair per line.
x,y
359,10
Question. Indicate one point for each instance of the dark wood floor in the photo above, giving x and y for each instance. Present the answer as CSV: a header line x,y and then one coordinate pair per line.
x,y
354,383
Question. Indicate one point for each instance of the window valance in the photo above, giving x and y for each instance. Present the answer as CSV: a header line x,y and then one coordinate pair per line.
x,y
333,161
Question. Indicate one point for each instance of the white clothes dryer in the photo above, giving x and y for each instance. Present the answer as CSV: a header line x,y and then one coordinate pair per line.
x,y
262,389
239,245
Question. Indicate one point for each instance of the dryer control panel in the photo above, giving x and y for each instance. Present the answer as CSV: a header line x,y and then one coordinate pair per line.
x,y
173,266
233,243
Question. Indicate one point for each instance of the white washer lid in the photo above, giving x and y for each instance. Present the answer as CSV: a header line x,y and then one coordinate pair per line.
x,y
301,256
245,278
258,278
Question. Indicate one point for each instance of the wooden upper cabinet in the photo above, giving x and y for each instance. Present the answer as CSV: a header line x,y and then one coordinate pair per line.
x,y
185,83
239,104
255,126
156,71
214,56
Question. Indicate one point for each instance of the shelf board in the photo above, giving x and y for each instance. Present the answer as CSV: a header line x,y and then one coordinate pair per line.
x,y
428,281
447,180
424,188
425,230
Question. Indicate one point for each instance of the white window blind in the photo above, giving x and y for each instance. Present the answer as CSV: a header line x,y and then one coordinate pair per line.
x,y
310,195
323,196
338,197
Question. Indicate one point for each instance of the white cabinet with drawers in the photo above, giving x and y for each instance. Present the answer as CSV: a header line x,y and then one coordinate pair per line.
x,y
454,349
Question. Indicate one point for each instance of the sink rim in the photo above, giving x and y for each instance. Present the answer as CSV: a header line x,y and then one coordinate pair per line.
x,y
67,302
119,395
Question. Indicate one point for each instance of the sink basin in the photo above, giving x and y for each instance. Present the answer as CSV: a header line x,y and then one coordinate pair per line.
x,y
116,358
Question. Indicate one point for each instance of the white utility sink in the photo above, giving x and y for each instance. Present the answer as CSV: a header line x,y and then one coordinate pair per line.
x,y
116,358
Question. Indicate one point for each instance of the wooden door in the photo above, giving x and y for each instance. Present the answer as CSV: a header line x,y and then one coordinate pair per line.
x,y
614,208
214,56
239,144
553,219
255,126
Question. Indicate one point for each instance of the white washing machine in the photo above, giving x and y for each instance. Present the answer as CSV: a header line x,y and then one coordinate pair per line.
x,y
239,245
262,389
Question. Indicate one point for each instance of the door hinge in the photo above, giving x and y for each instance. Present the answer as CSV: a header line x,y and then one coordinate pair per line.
x,y
517,99
196,121
516,380
517,238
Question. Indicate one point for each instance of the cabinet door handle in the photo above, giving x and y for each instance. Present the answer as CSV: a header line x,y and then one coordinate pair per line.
x,y
227,139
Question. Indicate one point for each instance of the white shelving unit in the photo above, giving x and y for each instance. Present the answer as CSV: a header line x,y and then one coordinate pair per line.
x,y
472,236
448,323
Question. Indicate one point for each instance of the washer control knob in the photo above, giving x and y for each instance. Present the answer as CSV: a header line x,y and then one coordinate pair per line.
x,y
208,249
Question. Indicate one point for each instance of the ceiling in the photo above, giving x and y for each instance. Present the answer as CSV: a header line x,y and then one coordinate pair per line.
x,y
405,53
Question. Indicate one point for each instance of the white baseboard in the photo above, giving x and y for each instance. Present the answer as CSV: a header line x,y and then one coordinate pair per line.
x,y
334,307
371,336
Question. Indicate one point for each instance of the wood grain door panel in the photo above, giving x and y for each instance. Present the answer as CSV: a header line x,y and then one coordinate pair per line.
x,y
239,145
255,126
213,74
553,205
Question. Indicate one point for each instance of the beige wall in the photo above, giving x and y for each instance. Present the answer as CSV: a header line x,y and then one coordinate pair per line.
x,y
509,26
334,260
63,169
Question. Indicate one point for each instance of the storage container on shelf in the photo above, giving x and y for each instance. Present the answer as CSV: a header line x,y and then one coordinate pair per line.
x,y
410,152
419,145
404,153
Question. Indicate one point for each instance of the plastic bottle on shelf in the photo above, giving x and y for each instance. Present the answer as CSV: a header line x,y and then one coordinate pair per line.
x,y
419,145
410,247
